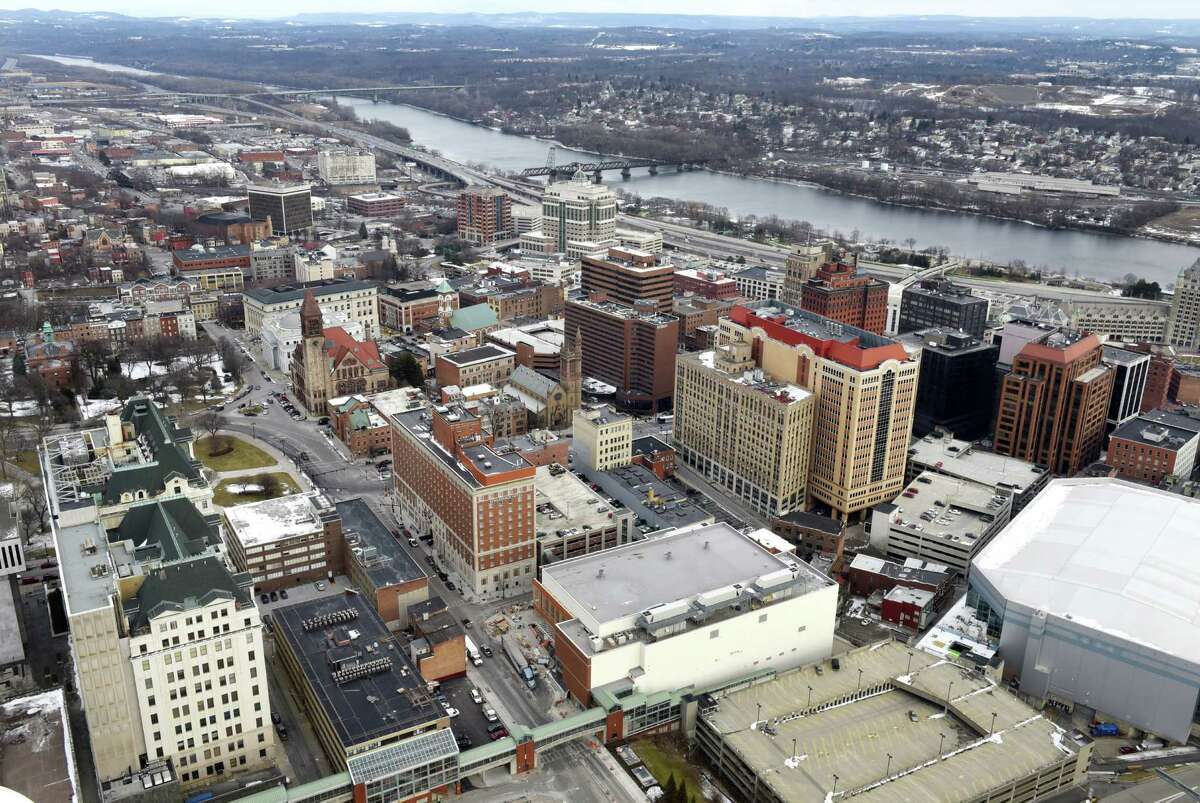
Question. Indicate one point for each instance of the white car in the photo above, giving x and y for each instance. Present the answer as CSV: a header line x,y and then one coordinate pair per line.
x,y
490,715
320,585
451,712
476,696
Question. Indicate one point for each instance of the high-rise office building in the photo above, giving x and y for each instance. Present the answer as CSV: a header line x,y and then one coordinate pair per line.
x,y
943,304
1131,371
578,218
484,215
165,635
1185,309
630,348
1054,402
956,392
628,277
802,264
742,430
865,387
839,293
287,206
343,166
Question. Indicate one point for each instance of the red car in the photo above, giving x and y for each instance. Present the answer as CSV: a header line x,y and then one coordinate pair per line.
x,y
497,734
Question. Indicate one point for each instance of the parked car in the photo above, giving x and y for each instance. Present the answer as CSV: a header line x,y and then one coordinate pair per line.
x,y
451,711
274,596
282,731
275,718
450,585
487,651
490,715
476,697
265,599
466,622
320,585
283,593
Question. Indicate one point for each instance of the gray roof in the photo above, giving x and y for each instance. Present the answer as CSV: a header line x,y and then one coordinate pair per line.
x,y
624,581
528,379
368,707
1160,429
392,565
287,293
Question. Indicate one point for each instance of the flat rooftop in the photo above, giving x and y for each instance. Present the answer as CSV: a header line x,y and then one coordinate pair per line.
x,y
960,459
783,392
38,760
476,355
961,510
329,633
901,714
486,459
79,549
272,520
1160,429
816,326
563,501
632,486
1111,556
389,564
680,565
544,339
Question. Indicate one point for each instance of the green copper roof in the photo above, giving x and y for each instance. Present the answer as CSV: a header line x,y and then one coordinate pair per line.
x,y
475,317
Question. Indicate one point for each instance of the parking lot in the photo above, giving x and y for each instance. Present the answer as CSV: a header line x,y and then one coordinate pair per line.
x,y
470,722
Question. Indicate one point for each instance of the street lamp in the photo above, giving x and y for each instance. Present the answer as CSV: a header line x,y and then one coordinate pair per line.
x,y
888,772
759,717
833,791
860,678
908,671
992,729
793,749
940,743
949,686
810,696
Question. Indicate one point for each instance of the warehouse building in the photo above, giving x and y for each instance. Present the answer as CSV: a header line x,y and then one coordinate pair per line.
x,y
1092,593
700,605
882,724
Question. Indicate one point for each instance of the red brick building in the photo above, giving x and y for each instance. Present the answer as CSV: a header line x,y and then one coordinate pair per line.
x,y
375,204
837,292
1153,446
707,283
475,500
359,426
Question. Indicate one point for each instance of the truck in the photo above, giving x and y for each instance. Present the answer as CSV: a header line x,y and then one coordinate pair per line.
x,y
517,658
473,652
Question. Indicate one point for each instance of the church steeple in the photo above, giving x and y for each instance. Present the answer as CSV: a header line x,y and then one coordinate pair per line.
x,y
570,368
311,324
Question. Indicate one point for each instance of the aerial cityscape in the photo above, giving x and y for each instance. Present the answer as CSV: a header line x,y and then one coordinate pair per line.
x,y
599,404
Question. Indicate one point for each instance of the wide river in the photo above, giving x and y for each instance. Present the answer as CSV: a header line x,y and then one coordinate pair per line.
x,y
1072,252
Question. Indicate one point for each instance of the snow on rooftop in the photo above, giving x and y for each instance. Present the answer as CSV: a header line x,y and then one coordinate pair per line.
x,y
1106,554
272,520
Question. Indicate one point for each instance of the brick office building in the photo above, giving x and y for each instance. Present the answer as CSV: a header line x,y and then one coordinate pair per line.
x,y
1054,402
484,215
475,497
1153,446
837,292
631,348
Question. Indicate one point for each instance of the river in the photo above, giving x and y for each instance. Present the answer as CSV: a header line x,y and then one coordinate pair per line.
x,y
1072,252
81,61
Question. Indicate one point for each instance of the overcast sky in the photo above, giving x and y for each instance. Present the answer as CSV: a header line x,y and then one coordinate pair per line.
x,y
789,8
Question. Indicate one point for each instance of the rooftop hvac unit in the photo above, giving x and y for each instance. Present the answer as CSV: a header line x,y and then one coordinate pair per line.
x,y
667,610
362,669
331,618
717,596
773,580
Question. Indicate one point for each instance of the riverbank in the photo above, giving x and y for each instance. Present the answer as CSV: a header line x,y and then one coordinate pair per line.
x,y
1146,231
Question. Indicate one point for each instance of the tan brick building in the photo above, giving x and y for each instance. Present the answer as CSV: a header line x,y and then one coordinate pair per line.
x,y
865,389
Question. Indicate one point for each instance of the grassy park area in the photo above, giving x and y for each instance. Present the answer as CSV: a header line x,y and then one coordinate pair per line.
x,y
241,490
227,453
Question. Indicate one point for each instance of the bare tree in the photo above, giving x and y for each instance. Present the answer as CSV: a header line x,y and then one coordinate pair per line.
x,y
9,437
34,507
211,421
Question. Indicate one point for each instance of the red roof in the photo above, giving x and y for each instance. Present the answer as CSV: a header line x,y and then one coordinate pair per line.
x,y
1060,356
260,156
849,353
339,344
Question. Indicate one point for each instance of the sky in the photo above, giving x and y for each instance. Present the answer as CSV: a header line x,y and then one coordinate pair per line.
x,y
788,8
